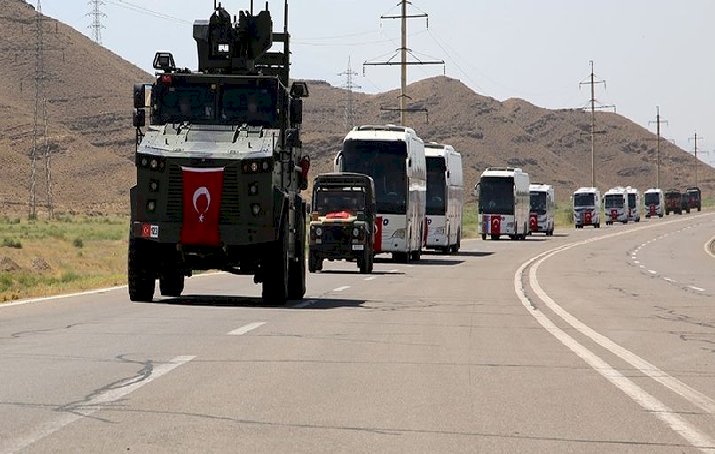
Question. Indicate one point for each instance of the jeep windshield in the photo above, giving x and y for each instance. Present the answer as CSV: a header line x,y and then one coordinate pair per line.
x,y
583,200
384,161
232,102
350,199
538,202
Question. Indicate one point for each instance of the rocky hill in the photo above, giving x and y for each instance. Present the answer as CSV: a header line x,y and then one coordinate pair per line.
x,y
91,138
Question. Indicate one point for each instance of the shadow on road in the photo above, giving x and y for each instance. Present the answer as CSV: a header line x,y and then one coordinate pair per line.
x,y
356,272
243,301
474,254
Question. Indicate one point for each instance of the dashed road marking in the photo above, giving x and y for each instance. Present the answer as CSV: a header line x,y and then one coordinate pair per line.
x,y
652,271
371,278
245,329
341,289
699,289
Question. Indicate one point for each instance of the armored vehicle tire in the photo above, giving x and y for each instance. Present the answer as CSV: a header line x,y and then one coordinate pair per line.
x,y
296,268
277,270
141,281
172,284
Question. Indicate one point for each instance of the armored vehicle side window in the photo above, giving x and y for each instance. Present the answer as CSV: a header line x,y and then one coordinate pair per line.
x,y
256,106
194,103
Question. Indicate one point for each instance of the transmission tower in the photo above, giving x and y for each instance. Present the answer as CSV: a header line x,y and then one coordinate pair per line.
x,y
404,62
695,140
658,121
97,15
349,86
592,81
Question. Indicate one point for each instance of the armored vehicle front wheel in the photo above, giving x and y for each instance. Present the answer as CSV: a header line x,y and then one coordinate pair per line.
x,y
172,283
365,262
276,270
296,268
140,278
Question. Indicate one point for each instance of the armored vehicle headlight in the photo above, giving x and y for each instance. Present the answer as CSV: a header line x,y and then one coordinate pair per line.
x,y
318,231
154,164
356,231
254,167
256,209
253,189
151,206
265,165
144,162
154,186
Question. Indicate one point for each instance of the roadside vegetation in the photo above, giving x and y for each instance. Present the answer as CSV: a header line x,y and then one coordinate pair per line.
x,y
71,253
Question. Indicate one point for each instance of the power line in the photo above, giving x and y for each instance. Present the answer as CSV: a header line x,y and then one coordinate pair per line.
x,y
695,139
97,15
658,121
592,81
349,86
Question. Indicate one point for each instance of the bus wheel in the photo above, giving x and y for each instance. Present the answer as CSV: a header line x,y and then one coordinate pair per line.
x,y
495,237
484,236
401,257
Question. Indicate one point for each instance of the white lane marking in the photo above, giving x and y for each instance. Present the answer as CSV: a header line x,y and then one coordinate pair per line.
x,y
410,266
696,288
75,413
636,262
371,278
652,272
392,271
708,248
642,266
304,304
245,329
341,289
668,279
692,395
638,394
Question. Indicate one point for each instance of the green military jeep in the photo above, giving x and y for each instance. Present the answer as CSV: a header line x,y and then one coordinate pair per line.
x,y
342,222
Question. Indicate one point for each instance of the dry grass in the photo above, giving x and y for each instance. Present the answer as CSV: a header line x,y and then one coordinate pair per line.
x,y
66,255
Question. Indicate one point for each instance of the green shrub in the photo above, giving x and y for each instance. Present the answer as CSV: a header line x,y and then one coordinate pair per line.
x,y
9,242
78,243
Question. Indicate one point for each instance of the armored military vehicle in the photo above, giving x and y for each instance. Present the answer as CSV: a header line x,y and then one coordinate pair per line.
x,y
673,202
694,198
342,224
220,166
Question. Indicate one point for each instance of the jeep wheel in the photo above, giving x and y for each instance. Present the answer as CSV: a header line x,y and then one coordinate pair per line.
x,y
172,283
365,262
141,281
276,270
314,263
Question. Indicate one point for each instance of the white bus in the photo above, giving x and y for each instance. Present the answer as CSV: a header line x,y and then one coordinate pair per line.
x,y
615,202
634,204
445,192
503,198
394,156
587,207
542,213
654,203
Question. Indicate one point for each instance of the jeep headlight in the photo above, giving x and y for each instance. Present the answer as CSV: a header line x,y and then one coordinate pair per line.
x,y
399,233
356,232
318,231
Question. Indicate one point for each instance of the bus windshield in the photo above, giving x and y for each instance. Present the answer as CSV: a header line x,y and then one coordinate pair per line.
x,y
333,200
651,198
631,200
436,186
614,201
253,102
496,195
538,202
584,199
386,163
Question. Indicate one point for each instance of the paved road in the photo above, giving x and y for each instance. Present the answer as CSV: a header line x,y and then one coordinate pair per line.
x,y
590,341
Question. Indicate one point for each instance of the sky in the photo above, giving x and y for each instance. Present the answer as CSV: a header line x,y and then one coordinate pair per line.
x,y
649,52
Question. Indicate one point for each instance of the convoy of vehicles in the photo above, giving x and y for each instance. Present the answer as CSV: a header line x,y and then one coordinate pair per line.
x,y
342,222
634,204
654,203
394,156
673,202
615,203
587,207
542,212
503,200
220,167
445,192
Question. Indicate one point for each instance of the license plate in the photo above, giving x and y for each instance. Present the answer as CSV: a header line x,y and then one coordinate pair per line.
x,y
358,247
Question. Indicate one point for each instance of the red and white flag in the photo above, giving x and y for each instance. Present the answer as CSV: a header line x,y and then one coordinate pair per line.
x,y
202,206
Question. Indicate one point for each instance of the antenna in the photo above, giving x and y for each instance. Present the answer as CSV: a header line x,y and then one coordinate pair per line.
x,y
404,63
593,82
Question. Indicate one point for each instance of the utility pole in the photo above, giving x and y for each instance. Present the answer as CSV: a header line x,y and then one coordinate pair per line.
x,y
97,15
658,122
404,62
593,82
349,86
695,140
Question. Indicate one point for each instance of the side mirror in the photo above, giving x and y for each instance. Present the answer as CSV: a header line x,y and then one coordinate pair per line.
x,y
299,90
339,161
139,118
476,190
139,96
296,111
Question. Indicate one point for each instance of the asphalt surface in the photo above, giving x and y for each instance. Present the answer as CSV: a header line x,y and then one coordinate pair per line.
x,y
589,341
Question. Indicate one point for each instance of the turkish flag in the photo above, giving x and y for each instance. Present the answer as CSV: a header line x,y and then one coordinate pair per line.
x,y
496,225
202,206
378,235
533,223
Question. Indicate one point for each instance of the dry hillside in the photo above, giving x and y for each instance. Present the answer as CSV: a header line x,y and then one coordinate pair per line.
x,y
91,138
